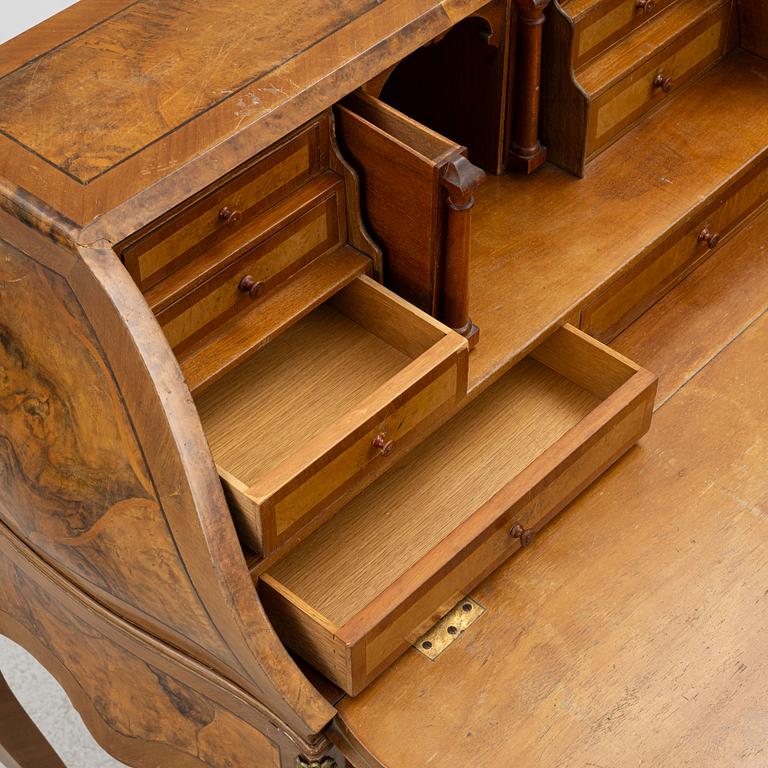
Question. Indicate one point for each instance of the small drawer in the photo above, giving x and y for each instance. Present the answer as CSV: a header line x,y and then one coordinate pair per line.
x,y
312,231
326,406
354,595
604,23
625,299
614,109
227,207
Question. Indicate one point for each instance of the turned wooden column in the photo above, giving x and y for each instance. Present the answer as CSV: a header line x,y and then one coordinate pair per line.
x,y
526,153
460,179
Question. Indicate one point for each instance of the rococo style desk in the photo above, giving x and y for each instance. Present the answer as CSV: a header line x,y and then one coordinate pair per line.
x,y
301,339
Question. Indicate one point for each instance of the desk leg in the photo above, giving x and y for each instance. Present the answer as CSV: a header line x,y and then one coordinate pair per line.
x,y
21,743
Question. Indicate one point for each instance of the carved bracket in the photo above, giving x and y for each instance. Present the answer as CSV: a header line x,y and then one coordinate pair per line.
x,y
326,762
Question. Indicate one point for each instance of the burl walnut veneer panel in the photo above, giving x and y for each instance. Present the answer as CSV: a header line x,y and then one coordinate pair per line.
x,y
95,107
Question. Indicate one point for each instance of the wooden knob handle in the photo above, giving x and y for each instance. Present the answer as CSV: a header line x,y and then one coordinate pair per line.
x,y
646,6
526,535
710,238
230,215
251,286
665,83
385,446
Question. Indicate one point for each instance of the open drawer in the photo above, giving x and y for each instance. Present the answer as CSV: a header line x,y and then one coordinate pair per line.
x,y
323,408
354,595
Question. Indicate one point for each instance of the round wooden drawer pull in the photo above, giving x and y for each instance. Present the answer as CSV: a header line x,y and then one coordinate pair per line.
x,y
230,215
385,446
665,83
646,6
710,238
526,535
251,286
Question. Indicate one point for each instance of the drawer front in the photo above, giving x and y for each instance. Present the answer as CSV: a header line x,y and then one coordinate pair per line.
x,y
369,450
596,31
495,545
224,209
626,101
356,616
311,234
625,300
326,460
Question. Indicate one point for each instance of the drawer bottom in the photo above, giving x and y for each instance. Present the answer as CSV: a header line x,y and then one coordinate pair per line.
x,y
353,596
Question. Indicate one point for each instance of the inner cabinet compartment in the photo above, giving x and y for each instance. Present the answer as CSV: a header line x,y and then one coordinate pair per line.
x,y
417,191
353,596
457,84
326,406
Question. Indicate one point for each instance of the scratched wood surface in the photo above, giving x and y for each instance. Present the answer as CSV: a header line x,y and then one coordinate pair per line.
x,y
154,84
633,632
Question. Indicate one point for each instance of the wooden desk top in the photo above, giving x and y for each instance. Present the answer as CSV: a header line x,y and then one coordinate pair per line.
x,y
110,97
633,632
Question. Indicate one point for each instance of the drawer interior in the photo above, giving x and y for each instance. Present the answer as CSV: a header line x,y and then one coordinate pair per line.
x,y
294,388
382,533
274,417
339,589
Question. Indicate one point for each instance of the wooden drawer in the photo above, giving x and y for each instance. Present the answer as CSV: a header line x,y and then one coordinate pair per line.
x,y
625,299
228,206
311,230
326,406
605,23
355,594
623,102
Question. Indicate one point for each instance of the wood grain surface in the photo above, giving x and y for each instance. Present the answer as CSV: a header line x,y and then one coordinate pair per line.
x,y
143,702
633,632
107,474
156,84
264,412
634,193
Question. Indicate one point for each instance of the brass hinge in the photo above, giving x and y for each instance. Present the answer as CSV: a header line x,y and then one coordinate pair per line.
x,y
326,762
465,613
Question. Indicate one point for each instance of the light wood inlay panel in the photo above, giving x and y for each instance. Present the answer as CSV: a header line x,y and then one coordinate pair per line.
x,y
604,24
628,99
145,260
281,256
624,300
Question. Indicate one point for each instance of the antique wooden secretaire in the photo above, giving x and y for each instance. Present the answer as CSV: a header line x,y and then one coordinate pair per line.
x,y
312,315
